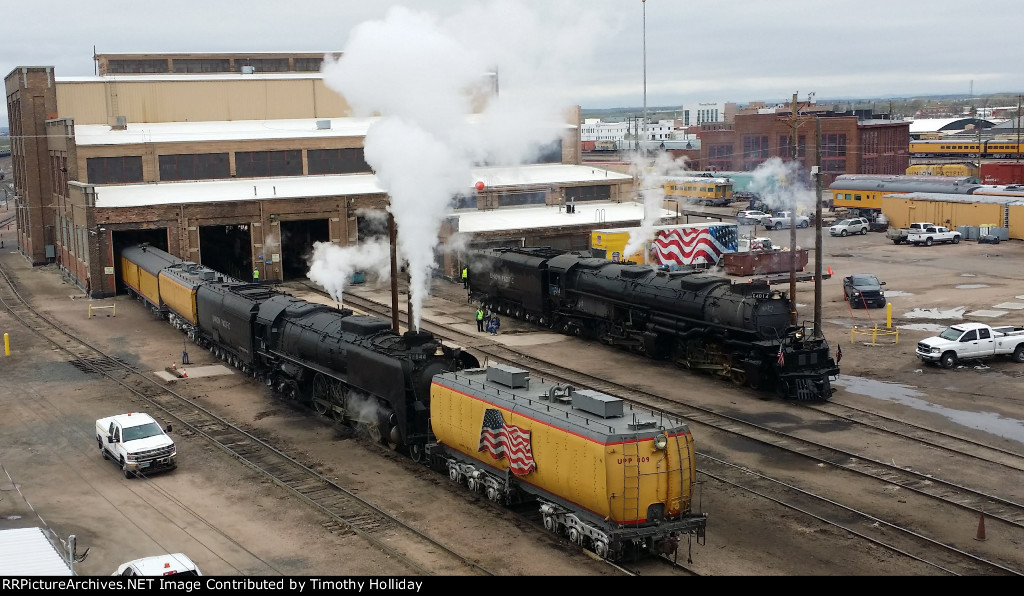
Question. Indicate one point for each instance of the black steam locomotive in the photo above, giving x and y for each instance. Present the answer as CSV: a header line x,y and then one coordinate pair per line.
x,y
353,368
738,331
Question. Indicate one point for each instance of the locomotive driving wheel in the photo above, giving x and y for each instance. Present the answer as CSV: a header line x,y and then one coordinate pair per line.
x,y
738,376
321,394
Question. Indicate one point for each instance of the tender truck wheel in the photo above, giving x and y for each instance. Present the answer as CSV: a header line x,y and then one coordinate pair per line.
x,y
948,360
1018,354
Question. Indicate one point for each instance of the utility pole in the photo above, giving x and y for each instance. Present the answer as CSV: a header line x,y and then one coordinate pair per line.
x,y
795,120
645,72
817,227
392,234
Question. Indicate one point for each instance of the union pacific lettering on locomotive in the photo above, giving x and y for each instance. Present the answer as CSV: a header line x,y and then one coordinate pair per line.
x,y
616,481
740,332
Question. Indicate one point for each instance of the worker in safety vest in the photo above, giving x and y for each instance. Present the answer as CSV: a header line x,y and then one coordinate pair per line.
x,y
480,319
255,275
465,277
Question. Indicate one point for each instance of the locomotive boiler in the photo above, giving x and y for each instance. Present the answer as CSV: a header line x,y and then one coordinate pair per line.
x,y
737,331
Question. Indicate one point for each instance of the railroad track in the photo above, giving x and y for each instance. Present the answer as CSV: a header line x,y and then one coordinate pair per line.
x,y
415,550
910,543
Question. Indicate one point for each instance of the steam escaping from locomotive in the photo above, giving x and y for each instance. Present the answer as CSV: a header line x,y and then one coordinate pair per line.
x,y
782,185
433,84
333,266
652,191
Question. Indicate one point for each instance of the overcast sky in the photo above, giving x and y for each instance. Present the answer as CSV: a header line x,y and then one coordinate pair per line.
x,y
585,52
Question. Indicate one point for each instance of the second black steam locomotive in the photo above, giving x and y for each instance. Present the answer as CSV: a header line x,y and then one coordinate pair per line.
x,y
738,331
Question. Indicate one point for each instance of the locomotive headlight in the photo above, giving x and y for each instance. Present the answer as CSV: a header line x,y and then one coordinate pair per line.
x,y
799,334
660,442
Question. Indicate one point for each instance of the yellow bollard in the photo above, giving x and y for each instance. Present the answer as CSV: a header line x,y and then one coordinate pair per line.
x,y
888,315
7,345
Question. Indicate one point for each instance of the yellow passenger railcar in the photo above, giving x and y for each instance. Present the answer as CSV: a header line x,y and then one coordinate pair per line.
x,y
863,192
178,285
140,270
611,478
700,189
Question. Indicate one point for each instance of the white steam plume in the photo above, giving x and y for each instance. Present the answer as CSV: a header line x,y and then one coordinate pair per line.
x,y
652,189
426,79
332,266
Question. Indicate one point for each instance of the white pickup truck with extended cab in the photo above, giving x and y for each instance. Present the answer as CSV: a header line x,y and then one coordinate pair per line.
x,y
136,443
782,219
972,341
899,235
929,236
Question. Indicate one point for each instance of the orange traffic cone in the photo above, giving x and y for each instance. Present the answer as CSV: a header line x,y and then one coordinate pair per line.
x,y
981,527
830,271
183,373
174,366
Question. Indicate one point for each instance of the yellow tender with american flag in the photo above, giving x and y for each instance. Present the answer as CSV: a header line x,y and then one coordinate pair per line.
x,y
609,477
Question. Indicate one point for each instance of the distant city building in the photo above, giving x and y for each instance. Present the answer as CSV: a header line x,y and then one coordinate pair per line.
x,y
707,112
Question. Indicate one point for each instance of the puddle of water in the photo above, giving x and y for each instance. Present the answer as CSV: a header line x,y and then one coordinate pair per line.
x,y
990,422
896,293
971,286
924,327
936,313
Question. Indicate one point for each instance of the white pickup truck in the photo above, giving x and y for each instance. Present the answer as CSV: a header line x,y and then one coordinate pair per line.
x,y
929,236
136,443
972,341
782,219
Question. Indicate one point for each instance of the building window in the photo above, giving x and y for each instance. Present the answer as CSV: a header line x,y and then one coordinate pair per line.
x,y
202,65
254,164
199,166
114,170
136,66
521,198
755,151
337,161
588,193
786,147
308,64
720,157
263,64
833,152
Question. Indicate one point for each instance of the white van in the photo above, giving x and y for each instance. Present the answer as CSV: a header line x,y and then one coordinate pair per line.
x,y
177,564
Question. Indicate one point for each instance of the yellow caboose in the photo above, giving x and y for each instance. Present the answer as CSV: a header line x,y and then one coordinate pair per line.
x,y
612,478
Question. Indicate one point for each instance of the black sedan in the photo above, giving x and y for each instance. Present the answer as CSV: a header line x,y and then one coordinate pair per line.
x,y
863,290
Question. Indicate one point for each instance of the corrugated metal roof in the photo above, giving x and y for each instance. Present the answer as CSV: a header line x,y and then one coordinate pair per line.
x,y
28,552
289,187
936,124
955,198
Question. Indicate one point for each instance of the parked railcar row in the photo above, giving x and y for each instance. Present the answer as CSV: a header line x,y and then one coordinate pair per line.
x,y
618,482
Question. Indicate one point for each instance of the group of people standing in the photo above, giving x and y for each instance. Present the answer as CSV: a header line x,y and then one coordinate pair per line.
x,y
487,321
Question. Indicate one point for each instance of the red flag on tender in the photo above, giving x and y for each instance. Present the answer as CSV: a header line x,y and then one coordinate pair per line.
x,y
504,441
839,353
782,358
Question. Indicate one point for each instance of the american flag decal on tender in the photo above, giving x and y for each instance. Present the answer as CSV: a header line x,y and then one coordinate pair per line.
x,y
504,441
683,246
